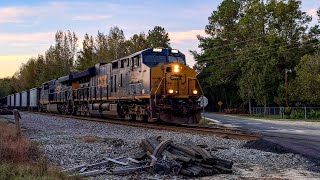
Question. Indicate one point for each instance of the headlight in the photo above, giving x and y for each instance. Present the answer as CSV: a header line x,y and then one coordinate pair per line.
x,y
157,50
171,91
176,68
174,51
195,92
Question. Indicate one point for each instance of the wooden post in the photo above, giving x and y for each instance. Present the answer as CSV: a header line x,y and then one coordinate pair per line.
x,y
17,118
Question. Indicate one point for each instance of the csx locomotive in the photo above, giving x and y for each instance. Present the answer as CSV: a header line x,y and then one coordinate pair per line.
x,y
151,85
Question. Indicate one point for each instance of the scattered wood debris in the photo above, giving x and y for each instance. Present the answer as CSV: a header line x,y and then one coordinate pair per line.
x,y
186,159
161,157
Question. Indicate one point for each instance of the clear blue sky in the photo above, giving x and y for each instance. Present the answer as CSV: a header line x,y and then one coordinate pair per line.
x,y
27,27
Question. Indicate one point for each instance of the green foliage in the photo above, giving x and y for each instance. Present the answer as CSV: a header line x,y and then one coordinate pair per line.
x,y
158,37
6,87
249,46
297,114
308,79
138,42
313,114
86,57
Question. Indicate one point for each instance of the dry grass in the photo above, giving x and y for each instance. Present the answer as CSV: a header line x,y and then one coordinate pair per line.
x,y
14,149
91,139
21,159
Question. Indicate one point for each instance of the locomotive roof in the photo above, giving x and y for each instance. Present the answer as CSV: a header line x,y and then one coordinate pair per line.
x,y
88,72
140,52
65,78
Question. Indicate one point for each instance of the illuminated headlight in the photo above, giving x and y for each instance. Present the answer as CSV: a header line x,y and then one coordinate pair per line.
x,y
176,68
171,91
157,50
195,92
174,51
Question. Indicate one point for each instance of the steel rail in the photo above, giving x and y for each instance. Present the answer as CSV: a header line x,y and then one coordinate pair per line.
x,y
220,131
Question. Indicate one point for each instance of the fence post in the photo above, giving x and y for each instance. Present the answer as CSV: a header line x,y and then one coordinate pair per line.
x,y
17,118
305,113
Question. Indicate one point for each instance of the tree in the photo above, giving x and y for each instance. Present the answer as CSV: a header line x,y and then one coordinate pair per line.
x,y
117,46
6,87
158,37
101,48
248,47
308,79
86,57
61,57
138,42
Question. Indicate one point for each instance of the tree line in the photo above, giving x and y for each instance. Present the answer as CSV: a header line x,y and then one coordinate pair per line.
x,y
64,57
250,47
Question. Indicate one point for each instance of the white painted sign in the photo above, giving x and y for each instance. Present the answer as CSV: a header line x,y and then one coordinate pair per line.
x,y
203,101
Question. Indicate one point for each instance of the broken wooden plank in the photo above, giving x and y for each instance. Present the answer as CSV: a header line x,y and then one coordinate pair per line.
x,y
133,160
92,173
129,170
84,167
117,162
77,168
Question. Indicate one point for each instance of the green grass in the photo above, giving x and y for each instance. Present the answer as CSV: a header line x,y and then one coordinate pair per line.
x,y
25,171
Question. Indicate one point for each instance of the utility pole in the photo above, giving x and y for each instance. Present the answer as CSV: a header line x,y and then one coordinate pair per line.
x,y
286,83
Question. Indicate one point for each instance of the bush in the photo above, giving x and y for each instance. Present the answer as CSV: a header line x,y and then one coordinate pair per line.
x,y
314,114
297,114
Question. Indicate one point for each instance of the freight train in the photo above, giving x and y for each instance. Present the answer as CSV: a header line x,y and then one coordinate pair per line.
x,y
154,84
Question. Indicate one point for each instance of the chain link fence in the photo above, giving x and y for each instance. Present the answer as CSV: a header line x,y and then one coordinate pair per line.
x,y
287,112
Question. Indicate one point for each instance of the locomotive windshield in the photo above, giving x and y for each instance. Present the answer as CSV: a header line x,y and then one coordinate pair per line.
x,y
176,58
162,56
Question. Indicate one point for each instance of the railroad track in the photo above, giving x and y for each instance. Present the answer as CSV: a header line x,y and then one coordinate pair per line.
x,y
217,130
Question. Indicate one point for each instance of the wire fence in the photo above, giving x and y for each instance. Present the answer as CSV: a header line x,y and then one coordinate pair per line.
x,y
287,112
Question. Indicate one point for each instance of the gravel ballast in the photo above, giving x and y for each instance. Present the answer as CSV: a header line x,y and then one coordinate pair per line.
x,y
68,142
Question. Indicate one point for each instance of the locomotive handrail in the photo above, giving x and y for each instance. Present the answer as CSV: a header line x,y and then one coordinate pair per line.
x,y
197,82
155,93
200,86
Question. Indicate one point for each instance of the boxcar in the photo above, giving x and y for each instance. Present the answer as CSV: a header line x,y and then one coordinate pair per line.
x,y
18,100
34,98
25,96
12,100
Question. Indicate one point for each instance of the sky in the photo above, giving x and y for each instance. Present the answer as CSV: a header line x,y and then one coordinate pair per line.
x,y
27,27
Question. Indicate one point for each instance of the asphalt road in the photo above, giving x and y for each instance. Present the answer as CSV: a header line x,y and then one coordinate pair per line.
x,y
302,138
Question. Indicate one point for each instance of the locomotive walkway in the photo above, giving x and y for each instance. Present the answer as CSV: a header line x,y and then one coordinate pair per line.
x,y
298,137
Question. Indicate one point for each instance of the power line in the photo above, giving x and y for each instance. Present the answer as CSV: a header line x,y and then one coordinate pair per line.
x,y
261,55
248,51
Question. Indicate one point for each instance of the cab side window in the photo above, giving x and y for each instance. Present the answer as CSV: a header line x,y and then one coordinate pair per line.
x,y
135,61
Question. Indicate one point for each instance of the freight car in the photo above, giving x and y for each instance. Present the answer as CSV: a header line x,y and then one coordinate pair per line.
x,y
25,95
150,85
